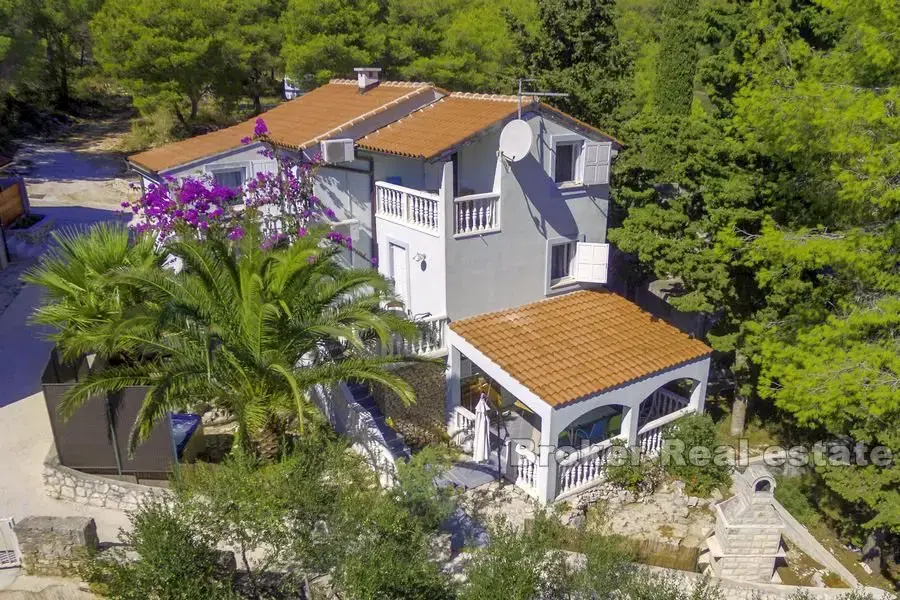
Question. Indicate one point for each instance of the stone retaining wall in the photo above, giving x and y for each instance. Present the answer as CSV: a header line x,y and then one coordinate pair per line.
x,y
741,590
63,483
55,545
424,422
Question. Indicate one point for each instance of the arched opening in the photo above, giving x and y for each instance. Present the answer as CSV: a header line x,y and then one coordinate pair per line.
x,y
668,398
594,426
763,486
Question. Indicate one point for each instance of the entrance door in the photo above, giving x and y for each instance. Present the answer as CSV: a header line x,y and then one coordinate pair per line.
x,y
400,273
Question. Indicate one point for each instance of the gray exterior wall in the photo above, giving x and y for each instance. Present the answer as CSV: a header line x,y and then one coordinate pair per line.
x,y
510,267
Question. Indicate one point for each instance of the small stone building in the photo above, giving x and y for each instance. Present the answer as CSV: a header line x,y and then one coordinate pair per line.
x,y
747,541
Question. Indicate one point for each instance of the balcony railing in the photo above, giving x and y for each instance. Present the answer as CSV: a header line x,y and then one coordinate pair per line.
x,y
430,340
414,208
476,214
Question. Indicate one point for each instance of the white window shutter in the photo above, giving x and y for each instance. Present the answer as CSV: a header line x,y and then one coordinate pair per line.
x,y
263,166
591,262
596,162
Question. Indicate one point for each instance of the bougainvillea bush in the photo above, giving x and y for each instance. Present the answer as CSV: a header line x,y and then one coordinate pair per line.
x,y
282,204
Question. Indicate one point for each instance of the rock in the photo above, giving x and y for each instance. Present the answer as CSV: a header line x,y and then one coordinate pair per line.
x,y
678,487
717,495
693,501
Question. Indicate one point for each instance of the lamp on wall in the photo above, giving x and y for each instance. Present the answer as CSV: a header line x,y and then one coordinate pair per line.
x,y
419,257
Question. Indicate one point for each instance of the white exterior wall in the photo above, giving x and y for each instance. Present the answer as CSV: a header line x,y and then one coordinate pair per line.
x,y
477,164
428,286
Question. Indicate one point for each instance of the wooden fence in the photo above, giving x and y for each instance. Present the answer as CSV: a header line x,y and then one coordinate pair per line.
x,y
12,201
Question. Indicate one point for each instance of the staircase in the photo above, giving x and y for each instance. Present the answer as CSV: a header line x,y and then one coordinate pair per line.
x,y
365,404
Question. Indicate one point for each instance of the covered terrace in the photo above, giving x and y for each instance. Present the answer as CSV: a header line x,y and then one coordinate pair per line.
x,y
571,374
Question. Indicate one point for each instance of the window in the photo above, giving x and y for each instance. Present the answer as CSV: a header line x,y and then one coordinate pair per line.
x,y
233,178
562,256
566,157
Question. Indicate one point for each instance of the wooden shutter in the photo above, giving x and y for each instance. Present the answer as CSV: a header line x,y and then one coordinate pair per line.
x,y
591,262
596,162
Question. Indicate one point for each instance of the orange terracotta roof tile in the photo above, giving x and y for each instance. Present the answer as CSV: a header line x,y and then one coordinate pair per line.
x,y
440,126
297,124
579,344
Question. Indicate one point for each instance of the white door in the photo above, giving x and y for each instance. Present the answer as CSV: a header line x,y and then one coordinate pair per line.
x,y
400,273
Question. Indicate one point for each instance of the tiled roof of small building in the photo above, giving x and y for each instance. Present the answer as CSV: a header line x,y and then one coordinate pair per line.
x,y
579,344
324,112
440,126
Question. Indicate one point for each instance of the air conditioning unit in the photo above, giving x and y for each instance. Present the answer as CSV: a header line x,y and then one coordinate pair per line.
x,y
338,151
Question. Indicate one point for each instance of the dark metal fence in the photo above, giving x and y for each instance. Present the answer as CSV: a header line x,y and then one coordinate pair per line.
x,y
95,438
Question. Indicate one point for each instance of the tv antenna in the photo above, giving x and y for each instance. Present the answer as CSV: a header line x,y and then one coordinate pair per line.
x,y
536,94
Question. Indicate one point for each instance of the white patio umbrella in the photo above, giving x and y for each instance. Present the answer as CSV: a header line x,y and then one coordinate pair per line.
x,y
482,443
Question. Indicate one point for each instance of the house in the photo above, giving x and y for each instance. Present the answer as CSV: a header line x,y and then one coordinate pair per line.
x,y
511,254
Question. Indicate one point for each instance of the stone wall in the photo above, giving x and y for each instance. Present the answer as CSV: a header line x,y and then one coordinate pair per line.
x,y
740,590
63,483
55,545
424,422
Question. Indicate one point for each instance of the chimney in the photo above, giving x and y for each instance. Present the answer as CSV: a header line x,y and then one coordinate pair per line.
x,y
367,77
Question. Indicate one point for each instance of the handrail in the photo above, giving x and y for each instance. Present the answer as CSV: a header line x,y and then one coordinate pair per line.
x,y
465,412
666,419
480,196
591,450
523,451
407,190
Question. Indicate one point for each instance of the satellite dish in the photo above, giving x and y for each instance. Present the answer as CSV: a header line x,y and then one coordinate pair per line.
x,y
515,140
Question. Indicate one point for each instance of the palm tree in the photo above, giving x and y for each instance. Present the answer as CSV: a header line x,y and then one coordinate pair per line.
x,y
83,301
250,331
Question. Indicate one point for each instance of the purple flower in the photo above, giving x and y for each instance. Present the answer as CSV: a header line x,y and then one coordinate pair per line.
x,y
374,261
246,140
329,213
301,232
125,204
236,233
261,128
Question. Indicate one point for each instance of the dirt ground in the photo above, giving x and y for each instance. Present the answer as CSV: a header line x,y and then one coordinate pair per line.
x,y
75,177
78,165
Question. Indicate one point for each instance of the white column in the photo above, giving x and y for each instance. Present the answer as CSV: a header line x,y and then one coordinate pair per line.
x,y
698,396
546,467
630,424
446,196
453,395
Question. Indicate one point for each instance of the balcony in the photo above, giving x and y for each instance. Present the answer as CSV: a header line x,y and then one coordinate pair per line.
x,y
473,214
413,208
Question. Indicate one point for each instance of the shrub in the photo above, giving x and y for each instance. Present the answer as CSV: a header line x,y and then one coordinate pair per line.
x,y
628,470
175,560
416,490
690,453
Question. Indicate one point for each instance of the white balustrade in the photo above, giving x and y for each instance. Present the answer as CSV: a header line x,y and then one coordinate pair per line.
x,y
477,213
584,468
650,436
414,208
432,332
525,468
463,420
661,403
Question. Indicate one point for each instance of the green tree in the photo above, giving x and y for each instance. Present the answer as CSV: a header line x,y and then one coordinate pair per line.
x,y
575,49
167,53
677,61
248,329
253,49
63,26
328,39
